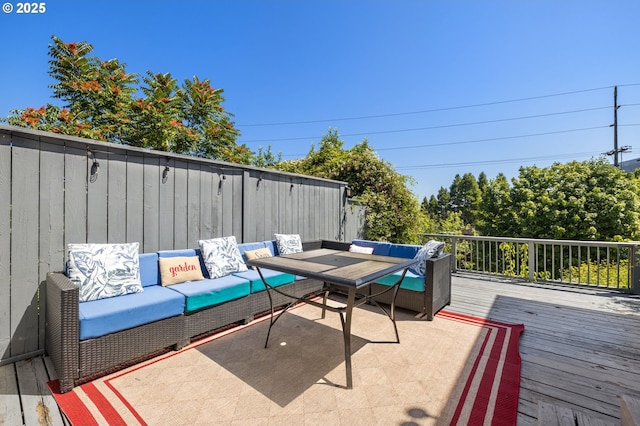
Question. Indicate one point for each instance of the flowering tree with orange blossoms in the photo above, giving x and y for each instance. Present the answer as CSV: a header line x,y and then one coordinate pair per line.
x,y
99,102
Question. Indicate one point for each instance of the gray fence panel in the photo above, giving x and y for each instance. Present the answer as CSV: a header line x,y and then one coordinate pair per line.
x,y
217,201
237,205
135,198
227,204
51,226
180,201
24,247
97,196
5,244
151,203
354,221
75,194
193,204
206,204
166,206
56,190
117,203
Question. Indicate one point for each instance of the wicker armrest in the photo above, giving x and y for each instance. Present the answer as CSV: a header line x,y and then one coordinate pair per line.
x,y
438,284
62,328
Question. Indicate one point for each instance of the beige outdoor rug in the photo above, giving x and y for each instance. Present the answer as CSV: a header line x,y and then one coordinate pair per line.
x,y
452,370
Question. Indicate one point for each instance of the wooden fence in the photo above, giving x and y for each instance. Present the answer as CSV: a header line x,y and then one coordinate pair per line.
x,y
56,190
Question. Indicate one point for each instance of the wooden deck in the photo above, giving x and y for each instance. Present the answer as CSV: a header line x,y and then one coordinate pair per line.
x,y
580,350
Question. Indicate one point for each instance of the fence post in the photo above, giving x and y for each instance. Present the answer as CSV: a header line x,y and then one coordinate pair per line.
x,y
532,260
635,270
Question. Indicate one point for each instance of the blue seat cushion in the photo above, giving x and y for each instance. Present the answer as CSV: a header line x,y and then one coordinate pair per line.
x,y
411,281
274,278
209,292
105,316
379,248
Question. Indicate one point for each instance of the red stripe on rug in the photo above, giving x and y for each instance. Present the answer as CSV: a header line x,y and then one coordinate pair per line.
x,y
467,387
479,411
125,402
510,384
71,405
107,410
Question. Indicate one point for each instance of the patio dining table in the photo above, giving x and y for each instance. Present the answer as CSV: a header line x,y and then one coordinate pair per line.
x,y
342,272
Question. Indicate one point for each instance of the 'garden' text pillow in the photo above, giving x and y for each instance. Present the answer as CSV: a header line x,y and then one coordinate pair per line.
x,y
175,270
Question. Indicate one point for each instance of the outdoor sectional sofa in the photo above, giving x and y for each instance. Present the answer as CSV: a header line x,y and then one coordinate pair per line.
x,y
85,340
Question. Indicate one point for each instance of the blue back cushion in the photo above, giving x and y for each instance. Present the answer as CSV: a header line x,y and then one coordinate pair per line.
x,y
177,253
408,251
379,248
271,245
149,271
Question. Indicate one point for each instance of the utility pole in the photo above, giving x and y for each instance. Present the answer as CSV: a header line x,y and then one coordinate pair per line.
x,y
616,151
615,126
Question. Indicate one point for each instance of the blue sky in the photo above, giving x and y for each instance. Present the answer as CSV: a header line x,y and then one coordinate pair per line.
x,y
438,88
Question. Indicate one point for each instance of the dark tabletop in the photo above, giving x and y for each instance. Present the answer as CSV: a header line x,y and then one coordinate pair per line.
x,y
335,266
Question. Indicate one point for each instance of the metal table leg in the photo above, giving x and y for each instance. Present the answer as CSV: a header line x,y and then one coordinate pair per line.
x,y
346,333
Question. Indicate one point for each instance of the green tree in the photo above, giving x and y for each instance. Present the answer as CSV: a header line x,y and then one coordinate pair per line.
x,y
495,216
267,158
483,182
431,206
99,103
465,197
444,202
392,210
588,200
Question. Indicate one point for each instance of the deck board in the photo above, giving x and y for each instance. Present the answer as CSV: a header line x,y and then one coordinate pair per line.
x,y
580,351
39,407
10,410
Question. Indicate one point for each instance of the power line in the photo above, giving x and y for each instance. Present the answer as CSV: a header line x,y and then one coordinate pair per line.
x,y
443,126
325,120
503,161
494,139
557,132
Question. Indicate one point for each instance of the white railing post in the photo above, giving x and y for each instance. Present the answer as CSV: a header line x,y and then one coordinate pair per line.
x,y
532,260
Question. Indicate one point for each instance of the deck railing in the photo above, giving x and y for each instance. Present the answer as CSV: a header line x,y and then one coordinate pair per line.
x,y
585,263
